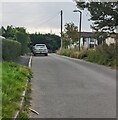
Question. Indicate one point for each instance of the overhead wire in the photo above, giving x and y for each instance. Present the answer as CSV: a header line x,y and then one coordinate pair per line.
x,y
49,19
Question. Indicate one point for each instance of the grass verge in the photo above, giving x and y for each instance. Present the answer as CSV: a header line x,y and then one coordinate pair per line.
x,y
103,54
24,113
0,90
14,79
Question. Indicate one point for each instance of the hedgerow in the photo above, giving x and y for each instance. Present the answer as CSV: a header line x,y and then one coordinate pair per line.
x,y
10,49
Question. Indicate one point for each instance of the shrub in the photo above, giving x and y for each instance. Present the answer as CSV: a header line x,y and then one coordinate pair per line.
x,y
10,49
65,52
106,54
91,55
73,53
23,38
103,54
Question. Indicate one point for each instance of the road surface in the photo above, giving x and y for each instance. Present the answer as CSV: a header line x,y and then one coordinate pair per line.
x,y
65,87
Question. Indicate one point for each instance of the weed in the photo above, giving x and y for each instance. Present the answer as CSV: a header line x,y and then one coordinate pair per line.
x,y
14,78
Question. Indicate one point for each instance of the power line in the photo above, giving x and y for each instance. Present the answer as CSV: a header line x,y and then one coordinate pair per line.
x,y
49,19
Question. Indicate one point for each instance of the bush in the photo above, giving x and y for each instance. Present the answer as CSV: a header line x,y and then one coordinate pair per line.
x,y
106,54
10,49
103,54
90,55
24,40
65,52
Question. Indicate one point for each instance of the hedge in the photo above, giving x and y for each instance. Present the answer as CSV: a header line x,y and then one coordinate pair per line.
x,y
10,49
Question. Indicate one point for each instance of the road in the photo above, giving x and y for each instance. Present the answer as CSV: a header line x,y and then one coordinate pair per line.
x,y
65,87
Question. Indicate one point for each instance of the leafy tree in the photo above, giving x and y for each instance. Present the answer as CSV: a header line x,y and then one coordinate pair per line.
x,y
70,34
100,36
104,14
65,40
37,38
2,31
20,29
52,41
24,39
71,31
19,34
9,32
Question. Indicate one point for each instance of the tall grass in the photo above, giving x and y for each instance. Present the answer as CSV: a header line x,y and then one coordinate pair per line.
x,y
14,78
103,54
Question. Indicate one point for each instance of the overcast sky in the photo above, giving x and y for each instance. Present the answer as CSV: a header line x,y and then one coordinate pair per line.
x,y
43,17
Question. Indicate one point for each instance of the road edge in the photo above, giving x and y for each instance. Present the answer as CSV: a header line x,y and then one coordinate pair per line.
x,y
24,92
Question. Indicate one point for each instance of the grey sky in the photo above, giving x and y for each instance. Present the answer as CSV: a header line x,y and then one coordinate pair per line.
x,y
42,17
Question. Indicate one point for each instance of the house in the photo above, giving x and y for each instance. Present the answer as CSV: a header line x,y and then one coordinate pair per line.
x,y
87,40
112,39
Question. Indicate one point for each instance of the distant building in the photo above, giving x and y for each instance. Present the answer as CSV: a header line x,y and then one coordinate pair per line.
x,y
112,39
87,40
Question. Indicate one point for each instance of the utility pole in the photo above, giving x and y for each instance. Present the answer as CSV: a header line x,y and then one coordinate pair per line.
x,y
80,29
61,28
79,26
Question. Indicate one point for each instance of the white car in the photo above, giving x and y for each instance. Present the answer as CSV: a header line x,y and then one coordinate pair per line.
x,y
40,49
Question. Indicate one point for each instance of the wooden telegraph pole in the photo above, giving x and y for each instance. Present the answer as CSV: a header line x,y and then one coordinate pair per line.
x,y
61,28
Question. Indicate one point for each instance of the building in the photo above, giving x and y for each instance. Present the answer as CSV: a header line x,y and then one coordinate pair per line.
x,y
112,39
87,40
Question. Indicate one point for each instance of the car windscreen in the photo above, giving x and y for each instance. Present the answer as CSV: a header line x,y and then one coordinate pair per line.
x,y
40,46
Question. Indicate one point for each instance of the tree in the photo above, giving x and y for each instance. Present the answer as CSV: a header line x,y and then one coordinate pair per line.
x,y
52,41
65,40
19,34
70,34
20,29
71,31
104,15
9,32
24,39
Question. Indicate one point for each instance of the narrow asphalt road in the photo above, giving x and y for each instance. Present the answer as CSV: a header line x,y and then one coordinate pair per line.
x,y
65,87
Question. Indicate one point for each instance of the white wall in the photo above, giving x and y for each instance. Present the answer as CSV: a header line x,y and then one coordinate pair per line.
x,y
110,40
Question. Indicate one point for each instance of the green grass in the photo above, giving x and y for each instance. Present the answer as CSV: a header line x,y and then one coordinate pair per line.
x,y
0,90
14,78
24,113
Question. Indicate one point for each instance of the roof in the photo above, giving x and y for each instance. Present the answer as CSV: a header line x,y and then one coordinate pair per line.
x,y
115,35
87,34
91,34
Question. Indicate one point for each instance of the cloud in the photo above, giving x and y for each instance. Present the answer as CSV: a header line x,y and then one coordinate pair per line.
x,y
41,16
36,0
